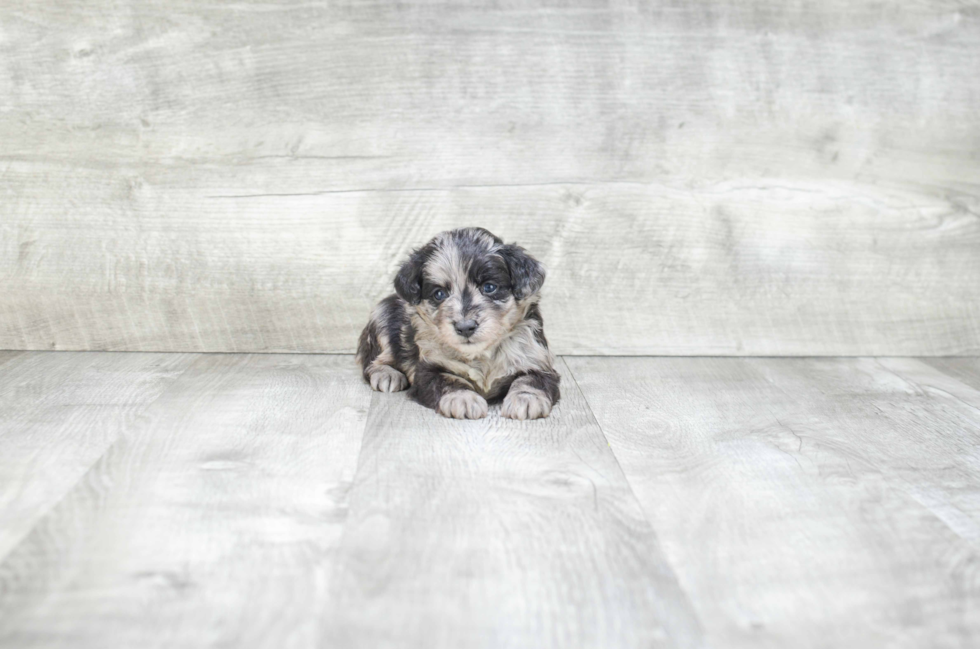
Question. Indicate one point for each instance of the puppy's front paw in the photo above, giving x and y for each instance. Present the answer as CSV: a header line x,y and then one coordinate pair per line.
x,y
385,378
463,404
526,405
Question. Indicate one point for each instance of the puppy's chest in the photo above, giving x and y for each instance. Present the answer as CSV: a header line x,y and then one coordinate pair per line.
x,y
485,374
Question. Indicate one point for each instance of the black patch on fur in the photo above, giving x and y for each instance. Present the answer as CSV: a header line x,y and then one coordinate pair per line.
x,y
491,268
541,338
368,347
408,281
411,349
395,319
470,243
432,383
547,382
526,272
490,234
534,313
499,389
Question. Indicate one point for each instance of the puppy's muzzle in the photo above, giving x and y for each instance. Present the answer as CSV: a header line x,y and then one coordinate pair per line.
x,y
465,328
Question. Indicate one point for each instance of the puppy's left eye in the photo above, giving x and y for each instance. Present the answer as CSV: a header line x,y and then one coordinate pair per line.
x,y
489,288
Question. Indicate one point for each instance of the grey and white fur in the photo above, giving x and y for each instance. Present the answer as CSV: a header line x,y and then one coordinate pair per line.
x,y
464,329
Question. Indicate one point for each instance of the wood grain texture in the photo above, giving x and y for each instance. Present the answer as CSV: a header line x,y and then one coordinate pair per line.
x,y
497,533
58,414
211,524
966,370
8,356
948,481
274,501
706,178
805,502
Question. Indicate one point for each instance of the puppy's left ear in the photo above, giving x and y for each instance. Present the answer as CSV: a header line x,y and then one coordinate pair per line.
x,y
526,272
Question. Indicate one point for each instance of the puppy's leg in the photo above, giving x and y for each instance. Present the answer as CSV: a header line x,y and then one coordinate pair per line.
x,y
375,355
449,395
385,378
531,396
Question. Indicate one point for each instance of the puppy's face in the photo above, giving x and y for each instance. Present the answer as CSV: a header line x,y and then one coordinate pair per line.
x,y
469,288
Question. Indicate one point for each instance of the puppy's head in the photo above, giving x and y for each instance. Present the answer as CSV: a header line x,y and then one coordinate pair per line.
x,y
469,288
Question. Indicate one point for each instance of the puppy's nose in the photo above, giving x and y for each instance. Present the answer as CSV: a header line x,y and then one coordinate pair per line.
x,y
465,328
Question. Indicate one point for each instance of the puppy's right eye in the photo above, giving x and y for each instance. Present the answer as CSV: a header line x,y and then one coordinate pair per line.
x,y
438,295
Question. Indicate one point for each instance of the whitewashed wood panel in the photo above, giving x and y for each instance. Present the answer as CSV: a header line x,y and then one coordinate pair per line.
x,y
706,178
58,414
758,271
8,356
211,524
498,533
966,370
728,503
805,502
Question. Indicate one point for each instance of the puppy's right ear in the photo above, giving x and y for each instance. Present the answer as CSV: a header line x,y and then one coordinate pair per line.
x,y
408,281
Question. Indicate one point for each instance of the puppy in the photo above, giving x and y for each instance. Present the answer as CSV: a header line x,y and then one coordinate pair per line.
x,y
463,329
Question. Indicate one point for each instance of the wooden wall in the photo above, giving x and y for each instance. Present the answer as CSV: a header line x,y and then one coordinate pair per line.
x,y
758,177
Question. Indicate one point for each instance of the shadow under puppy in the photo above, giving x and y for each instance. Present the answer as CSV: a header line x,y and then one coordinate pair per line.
x,y
463,329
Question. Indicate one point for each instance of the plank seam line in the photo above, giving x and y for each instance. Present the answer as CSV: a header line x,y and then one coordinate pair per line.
x,y
447,188
332,556
904,483
612,451
896,481
85,474
639,505
932,368
14,353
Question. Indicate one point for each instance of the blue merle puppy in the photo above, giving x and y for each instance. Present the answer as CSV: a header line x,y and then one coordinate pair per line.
x,y
464,329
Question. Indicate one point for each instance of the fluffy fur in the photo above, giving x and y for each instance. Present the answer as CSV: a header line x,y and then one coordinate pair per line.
x,y
423,336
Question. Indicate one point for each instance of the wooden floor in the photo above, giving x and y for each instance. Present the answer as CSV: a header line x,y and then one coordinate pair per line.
x,y
189,500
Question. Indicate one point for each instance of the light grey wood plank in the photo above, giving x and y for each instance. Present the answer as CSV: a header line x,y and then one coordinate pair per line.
x,y
211,525
712,178
496,533
729,269
801,501
59,412
966,370
940,463
363,92
6,356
